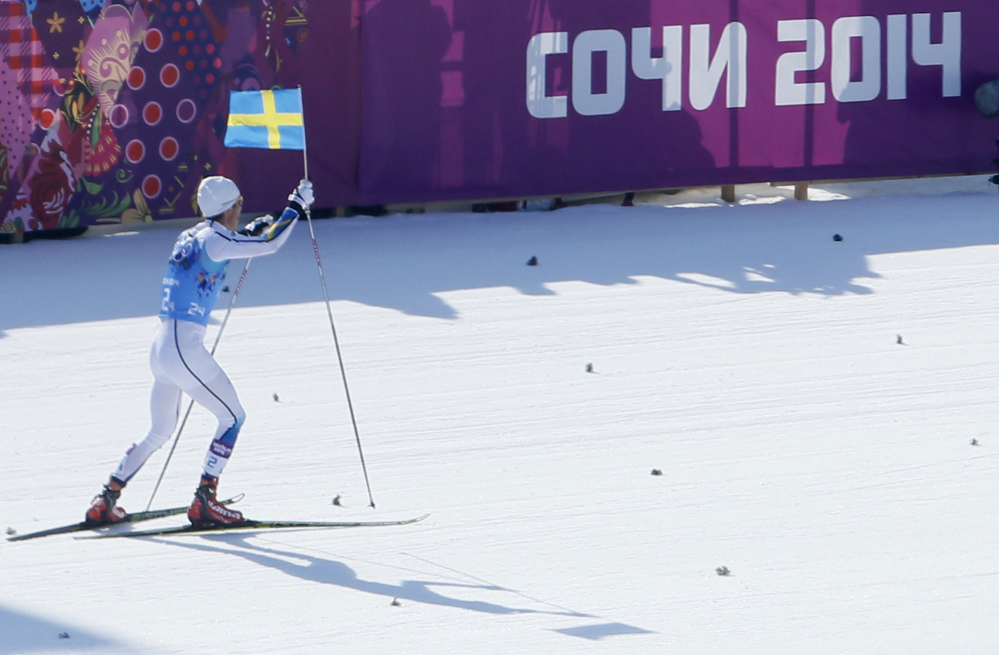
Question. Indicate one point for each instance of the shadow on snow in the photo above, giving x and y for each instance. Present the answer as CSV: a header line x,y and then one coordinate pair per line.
x,y
407,262
325,571
23,633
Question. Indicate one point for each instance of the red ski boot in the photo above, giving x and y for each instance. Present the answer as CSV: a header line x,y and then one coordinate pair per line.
x,y
205,510
104,508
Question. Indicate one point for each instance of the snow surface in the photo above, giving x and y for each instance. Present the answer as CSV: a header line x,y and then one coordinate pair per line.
x,y
823,414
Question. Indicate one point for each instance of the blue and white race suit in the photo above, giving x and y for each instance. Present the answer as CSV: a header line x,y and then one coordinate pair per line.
x,y
178,358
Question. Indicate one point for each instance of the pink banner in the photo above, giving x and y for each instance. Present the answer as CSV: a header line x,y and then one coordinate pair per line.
x,y
115,110
549,97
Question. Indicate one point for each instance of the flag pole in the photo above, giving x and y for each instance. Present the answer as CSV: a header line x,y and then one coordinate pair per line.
x,y
329,313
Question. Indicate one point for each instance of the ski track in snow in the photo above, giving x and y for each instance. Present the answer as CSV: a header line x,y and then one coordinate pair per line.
x,y
739,350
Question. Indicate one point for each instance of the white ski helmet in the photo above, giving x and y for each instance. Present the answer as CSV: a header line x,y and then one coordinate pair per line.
x,y
216,195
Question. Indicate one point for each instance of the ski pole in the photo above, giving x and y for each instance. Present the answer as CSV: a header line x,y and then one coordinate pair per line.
x,y
329,312
336,344
190,406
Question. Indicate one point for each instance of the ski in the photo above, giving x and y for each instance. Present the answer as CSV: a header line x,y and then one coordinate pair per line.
x,y
251,525
135,517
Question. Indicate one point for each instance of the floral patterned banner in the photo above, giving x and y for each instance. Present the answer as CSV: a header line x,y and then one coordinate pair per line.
x,y
113,110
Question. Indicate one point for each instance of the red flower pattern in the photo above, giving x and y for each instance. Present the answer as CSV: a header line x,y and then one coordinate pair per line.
x,y
51,187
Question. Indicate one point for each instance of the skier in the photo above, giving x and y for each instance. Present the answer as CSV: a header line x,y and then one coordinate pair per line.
x,y
178,358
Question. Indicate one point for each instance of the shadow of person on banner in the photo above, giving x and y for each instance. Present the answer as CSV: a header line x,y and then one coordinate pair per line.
x,y
493,118
403,45
641,146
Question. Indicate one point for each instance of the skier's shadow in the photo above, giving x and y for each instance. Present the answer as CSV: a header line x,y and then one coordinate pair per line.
x,y
326,571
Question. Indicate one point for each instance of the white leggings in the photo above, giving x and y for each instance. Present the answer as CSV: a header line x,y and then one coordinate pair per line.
x,y
181,364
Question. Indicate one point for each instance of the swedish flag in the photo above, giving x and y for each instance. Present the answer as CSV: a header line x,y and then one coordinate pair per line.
x,y
270,119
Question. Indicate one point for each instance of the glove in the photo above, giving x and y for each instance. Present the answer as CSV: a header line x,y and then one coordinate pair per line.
x,y
257,226
303,196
